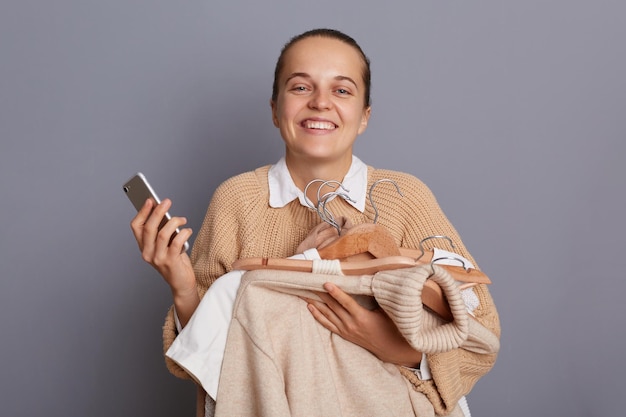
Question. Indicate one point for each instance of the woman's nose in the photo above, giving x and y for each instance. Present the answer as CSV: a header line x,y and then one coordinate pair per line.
x,y
320,100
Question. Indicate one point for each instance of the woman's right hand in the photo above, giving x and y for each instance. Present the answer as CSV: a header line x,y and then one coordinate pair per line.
x,y
168,258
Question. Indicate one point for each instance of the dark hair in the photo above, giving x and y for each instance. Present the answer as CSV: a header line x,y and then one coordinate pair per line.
x,y
325,33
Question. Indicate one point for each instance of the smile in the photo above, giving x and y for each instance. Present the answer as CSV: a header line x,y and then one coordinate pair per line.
x,y
318,124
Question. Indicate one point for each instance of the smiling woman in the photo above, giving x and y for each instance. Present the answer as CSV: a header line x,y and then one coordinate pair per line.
x,y
320,104
319,107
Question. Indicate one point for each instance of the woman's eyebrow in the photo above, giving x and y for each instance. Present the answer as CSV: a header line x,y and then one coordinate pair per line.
x,y
306,75
297,74
346,78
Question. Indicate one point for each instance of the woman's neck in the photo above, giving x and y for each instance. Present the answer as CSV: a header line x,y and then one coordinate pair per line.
x,y
303,172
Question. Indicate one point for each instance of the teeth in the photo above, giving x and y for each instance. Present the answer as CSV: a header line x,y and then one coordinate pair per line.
x,y
310,124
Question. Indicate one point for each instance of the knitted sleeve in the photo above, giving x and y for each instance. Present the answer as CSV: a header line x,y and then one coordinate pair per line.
x,y
454,373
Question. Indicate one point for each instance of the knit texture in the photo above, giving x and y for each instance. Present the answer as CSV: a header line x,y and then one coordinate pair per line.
x,y
239,223
274,367
456,372
399,293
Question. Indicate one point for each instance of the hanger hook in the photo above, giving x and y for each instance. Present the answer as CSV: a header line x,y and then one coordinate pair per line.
x,y
306,198
324,182
322,211
326,214
421,245
372,200
454,258
328,183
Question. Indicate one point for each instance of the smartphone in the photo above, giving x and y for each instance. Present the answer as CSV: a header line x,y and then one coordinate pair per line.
x,y
138,190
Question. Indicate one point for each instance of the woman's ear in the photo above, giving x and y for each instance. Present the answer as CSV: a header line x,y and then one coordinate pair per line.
x,y
365,119
274,112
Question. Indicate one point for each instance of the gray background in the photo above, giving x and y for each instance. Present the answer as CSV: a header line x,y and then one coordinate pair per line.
x,y
512,112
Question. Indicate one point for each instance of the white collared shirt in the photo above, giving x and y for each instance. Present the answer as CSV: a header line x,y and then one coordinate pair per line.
x,y
283,190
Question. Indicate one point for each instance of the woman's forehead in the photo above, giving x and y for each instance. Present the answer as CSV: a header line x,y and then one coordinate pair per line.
x,y
322,53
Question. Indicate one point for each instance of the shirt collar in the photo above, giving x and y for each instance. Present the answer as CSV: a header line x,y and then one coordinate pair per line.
x,y
283,190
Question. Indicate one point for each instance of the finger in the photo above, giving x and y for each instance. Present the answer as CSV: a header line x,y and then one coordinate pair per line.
x,y
322,319
342,298
333,312
151,225
330,302
143,213
156,217
319,304
166,235
150,230
177,244
137,223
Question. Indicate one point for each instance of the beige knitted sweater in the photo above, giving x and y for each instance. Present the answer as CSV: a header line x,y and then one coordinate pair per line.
x,y
239,223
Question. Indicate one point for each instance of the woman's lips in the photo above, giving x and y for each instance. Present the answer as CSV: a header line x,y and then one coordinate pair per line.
x,y
318,124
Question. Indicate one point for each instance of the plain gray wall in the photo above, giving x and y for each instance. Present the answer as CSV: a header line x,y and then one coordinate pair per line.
x,y
511,111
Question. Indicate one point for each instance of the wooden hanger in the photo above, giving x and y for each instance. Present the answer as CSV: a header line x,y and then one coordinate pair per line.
x,y
367,238
367,267
432,295
468,277
371,241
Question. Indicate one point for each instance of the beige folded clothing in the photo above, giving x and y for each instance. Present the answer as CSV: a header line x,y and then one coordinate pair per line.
x,y
294,367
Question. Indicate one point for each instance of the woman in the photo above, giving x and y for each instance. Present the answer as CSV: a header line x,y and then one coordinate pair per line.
x,y
320,104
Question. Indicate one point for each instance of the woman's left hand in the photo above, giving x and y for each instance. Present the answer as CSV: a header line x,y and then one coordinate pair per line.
x,y
371,329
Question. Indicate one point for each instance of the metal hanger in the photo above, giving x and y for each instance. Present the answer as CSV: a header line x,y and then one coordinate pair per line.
x,y
372,200
325,213
421,244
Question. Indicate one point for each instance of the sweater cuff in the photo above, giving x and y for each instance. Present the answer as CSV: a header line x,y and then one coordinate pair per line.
x,y
169,334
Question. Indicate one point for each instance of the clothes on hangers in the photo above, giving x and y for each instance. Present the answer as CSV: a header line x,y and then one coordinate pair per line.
x,y
295,367
240,208
200,346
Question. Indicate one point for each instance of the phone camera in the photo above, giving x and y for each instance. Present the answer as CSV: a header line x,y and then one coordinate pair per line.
x,y
126,189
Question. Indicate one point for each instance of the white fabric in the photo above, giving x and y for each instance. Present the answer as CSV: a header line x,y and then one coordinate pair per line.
x,y
199,347
464,407
283,190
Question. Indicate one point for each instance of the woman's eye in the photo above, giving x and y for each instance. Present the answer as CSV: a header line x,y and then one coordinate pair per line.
x,y
342,91
299,88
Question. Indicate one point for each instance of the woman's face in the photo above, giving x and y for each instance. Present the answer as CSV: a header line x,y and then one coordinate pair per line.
x,y
320,104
